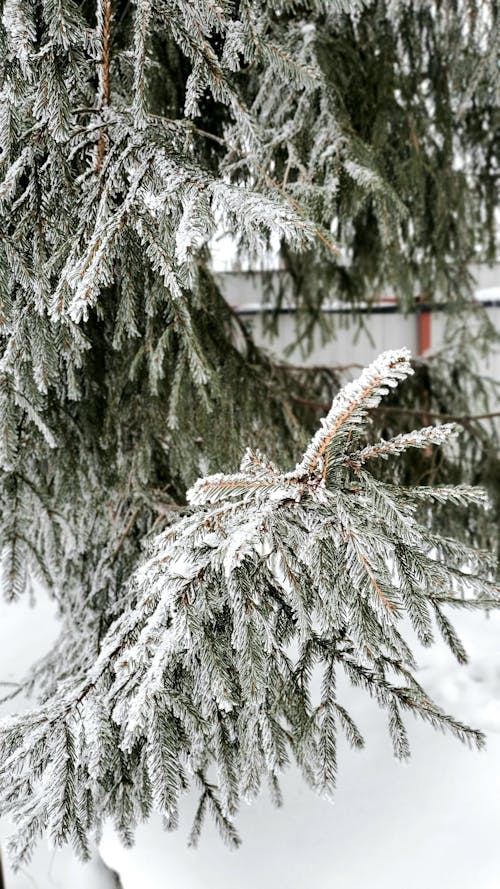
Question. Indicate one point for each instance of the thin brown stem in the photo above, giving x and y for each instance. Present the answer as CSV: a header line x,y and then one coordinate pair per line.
x,y
189,127
414,412
340,422
105,81
434,415
128,527
375,583
301,212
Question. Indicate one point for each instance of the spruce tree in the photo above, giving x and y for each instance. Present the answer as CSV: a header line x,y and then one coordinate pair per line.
x,y
205,674
360,136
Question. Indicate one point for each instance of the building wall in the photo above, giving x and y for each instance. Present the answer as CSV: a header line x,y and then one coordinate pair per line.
x,y
357,340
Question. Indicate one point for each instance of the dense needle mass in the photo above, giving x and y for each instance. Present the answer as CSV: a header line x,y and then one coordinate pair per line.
x,y
197,679
358,138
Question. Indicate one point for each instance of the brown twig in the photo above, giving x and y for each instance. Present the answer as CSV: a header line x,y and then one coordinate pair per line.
x,y
375,583
106,89
128,527
329,369
415,412
189,128
434,415
340,421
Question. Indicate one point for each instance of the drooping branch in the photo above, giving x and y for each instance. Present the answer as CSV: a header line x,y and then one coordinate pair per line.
x,y
194,670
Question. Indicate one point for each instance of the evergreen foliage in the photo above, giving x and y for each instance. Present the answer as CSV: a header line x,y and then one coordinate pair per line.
x,y
206,675
393,149
358,136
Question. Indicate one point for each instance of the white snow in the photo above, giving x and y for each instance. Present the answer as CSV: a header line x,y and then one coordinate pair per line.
x,y
26,634
431,824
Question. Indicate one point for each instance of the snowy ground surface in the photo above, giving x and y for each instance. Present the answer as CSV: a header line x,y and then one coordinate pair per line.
x,y
432,824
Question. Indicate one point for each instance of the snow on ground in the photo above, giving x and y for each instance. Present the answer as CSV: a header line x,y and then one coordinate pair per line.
x,y
430,824
26,634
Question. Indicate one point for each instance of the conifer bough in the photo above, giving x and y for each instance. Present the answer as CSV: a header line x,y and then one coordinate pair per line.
x,y
207,675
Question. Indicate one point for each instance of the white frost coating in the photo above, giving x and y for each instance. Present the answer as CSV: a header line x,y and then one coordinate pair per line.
x,y
21,30
196,671
183,566
279,494
354,400
211,539
419,438
242,542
